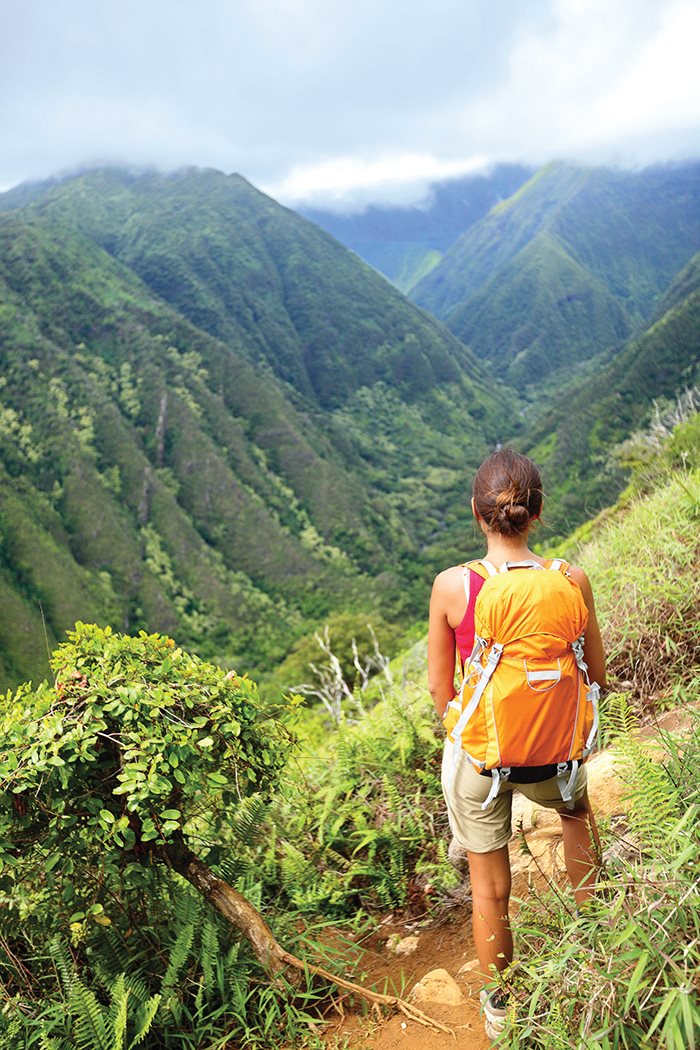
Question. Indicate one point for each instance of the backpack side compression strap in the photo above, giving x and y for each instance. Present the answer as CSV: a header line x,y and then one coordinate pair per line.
x,y
458,729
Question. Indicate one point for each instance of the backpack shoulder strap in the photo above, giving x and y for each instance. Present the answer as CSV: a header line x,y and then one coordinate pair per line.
x,y
559,565
481,567
479,570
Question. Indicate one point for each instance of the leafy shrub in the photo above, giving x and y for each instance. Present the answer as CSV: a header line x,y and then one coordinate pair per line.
x,y
138,752
136,743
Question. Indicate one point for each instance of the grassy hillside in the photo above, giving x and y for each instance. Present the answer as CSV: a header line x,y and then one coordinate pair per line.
x,y
571,264
215,421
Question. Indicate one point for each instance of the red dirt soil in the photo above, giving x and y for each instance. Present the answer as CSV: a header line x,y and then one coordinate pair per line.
x,y
445,944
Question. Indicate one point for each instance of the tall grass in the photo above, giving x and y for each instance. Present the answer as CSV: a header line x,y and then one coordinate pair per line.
x,y
643,566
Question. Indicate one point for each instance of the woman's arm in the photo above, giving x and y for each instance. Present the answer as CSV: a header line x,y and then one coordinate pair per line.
x,y
593,651
441,647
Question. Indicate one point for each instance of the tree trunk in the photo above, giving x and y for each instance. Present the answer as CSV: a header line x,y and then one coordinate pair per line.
x,y
231,904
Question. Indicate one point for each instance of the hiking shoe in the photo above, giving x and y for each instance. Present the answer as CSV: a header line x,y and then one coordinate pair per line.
x,y
494,1006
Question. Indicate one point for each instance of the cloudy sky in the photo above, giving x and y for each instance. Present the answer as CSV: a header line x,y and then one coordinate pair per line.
x,y
345,101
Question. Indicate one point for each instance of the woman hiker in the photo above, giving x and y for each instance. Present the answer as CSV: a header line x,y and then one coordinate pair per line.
x,y
506,503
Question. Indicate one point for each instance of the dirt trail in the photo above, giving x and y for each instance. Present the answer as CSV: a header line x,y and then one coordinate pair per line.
x,y
447,943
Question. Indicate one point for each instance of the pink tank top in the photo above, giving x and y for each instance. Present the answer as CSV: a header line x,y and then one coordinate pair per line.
x,y
464,632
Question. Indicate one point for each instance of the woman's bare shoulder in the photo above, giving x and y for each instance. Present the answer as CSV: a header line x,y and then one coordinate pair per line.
x,y
578,576
449,580
453,572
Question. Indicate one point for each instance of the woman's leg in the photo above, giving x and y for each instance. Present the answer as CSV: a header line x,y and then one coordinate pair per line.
x,y
490,882
581,848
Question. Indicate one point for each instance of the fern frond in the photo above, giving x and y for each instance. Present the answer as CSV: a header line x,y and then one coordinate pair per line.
x,y
235,867
394,798
145,1019
248,823
297,871
619,714
188,907
209,953
63,962
137,987
46,1042
114,956
117,1017
179,954
397,864
88,1023
332,856
655,799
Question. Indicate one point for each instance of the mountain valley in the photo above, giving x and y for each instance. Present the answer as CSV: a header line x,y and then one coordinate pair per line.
x,y
218,422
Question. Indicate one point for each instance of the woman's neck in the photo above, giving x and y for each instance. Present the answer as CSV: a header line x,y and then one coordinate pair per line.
x,y
503,548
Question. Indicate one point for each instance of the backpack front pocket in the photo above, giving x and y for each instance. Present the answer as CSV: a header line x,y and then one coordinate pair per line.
x,y
541,679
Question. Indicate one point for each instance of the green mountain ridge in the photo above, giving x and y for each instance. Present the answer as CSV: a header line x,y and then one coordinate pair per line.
x,y
578,308
246,270
574,262
573,440
233,481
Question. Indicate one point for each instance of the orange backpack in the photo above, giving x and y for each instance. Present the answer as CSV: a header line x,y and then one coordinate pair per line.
x,y
526,699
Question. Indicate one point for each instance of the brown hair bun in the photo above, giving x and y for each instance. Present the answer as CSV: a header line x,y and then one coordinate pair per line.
x,y
508,492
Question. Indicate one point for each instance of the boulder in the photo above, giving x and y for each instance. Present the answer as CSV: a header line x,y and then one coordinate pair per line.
x,y
438,987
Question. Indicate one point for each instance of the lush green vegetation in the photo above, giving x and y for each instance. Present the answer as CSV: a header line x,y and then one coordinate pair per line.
x,y
625,973
143,775
577,441
570,315
140,757
216,422
117,783
641,554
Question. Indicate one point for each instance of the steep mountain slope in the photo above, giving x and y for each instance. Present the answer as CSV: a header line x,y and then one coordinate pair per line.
x,y
571,264
406,243
256,275
538,306
214,420
573,441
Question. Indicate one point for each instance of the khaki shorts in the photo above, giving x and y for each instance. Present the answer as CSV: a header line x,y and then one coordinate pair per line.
x,y
481,831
